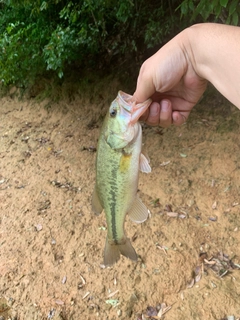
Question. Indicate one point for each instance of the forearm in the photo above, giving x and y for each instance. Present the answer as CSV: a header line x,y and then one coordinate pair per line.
x,y
214,51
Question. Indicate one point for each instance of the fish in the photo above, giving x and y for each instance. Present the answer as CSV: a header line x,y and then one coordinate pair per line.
x,y
118,162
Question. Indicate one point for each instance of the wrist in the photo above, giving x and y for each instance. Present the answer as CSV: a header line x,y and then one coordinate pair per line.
x,y
190,48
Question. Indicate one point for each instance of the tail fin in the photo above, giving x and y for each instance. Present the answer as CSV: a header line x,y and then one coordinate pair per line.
x,y
112,252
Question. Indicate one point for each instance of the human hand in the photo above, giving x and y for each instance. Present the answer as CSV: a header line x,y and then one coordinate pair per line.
x,y
170,80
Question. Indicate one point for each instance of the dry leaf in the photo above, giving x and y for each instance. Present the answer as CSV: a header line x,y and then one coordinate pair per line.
x,y
191,284
64,279
113,293
209,262
172,214
213,218
214,205
235,204
163,164
198,277
183,155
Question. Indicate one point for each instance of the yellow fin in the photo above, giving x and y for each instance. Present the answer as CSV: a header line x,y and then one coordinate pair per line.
x,y
138,212
144,165
112,252
96,204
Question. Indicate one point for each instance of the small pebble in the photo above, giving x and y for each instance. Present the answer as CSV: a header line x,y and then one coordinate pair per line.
x,y
119,312
212,218
214,205
11,301
182,216
38,227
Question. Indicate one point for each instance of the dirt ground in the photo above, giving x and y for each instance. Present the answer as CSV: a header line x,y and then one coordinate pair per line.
x,y
51,243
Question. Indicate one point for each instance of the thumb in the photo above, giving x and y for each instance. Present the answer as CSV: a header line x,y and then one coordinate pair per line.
x,y
145,87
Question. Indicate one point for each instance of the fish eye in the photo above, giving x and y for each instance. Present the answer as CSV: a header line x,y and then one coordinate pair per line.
x,y
113,113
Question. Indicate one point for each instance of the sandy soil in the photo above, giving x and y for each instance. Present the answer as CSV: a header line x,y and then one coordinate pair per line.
x,y
51,243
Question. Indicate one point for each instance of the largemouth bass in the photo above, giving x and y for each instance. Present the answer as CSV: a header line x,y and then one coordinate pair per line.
x,y
118,162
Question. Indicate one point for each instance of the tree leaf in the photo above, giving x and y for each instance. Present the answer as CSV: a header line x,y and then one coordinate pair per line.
x,y
224,3
235,18
233,7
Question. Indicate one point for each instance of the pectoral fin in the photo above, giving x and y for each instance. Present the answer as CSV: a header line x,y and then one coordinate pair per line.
x,y
96,204
144,165
138,212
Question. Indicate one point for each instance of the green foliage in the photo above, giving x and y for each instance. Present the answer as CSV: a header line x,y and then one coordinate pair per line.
x,y
224,11
60,48
18,53
57,36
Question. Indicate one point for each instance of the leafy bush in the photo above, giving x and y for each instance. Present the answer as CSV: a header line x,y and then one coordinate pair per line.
x,y
57,36
224,11
20,43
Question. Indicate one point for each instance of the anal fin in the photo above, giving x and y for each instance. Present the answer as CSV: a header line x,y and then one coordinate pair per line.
x,y
138,212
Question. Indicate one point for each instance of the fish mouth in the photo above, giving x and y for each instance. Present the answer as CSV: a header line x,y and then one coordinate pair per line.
x,y
135,109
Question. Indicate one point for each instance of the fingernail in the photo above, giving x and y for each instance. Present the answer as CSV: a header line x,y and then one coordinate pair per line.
x,y
155,109
164,105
